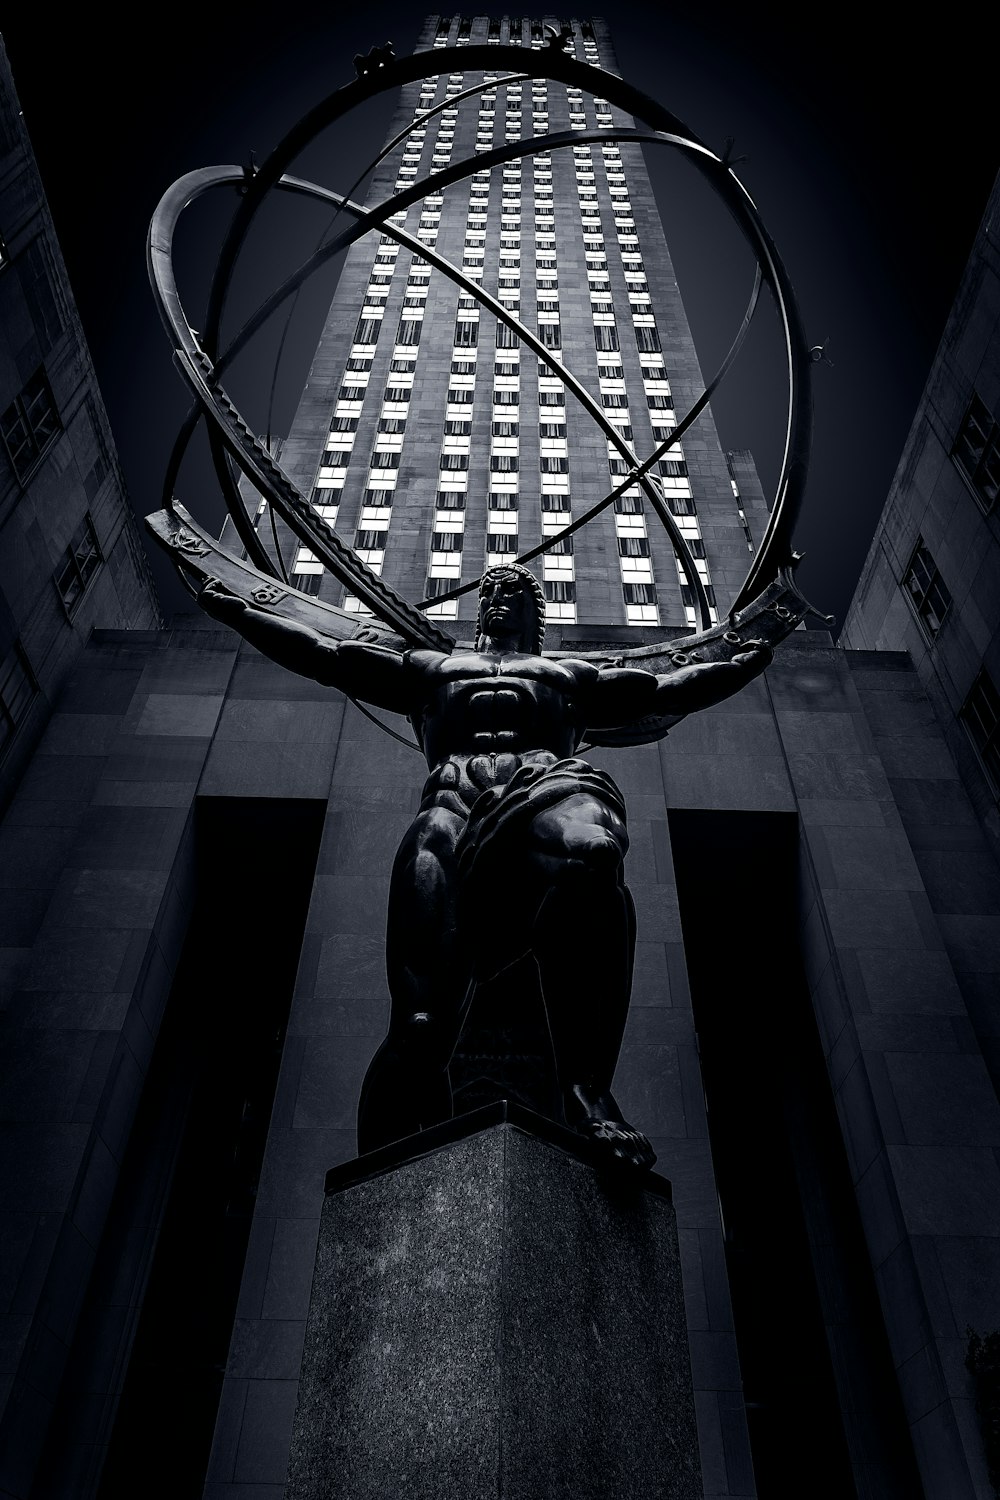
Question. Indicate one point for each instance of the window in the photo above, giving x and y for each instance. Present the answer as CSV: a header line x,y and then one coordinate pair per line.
x,y
29,424
17,688
446,541
501,541
559,591
633,546
454,461
639,593
466,333
648,340
503,463
980,714
408,331
80,562
606,336
977,450
927,592
370,541
550,465
451,499
367,330
555,502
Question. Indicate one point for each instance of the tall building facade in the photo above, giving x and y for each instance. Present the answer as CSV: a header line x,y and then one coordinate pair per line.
x,y
437,443
930,587
70,554
187,1026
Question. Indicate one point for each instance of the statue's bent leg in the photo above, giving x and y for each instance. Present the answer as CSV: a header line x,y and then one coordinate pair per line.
x,y
407,1088
584,945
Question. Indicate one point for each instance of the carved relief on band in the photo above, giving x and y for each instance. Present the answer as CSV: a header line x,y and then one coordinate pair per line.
x,y
267,593
189,542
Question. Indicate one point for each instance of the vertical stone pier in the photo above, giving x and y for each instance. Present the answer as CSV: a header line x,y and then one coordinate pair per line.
x,y
492,1315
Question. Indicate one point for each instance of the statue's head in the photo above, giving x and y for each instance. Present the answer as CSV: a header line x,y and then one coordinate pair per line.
x,y
511,600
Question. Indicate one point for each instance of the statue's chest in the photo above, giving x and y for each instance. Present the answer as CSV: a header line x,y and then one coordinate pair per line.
x,y
495,692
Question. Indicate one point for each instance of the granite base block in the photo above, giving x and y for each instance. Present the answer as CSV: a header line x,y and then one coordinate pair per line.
x,y
495,1317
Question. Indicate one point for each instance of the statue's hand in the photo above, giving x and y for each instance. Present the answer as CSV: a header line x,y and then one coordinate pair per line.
x,y
221,603
755,656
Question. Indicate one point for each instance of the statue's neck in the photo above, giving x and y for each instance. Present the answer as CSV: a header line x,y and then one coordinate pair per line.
x,y
498,645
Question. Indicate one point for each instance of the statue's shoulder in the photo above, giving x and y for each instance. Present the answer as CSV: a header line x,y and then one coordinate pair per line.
x,y
426,661
583,673
434,667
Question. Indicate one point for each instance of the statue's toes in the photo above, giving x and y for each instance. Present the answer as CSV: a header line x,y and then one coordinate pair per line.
x,y
621,1144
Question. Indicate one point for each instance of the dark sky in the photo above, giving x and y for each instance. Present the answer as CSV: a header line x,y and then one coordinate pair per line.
x,y
871,150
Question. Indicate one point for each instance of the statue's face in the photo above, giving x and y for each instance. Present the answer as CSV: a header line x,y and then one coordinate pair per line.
x,y
506,607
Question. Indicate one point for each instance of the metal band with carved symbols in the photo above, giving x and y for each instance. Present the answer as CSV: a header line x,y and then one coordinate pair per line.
x,y
201,366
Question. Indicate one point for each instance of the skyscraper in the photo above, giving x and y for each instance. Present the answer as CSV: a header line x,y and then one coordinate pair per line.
x,y
189,1025
436,442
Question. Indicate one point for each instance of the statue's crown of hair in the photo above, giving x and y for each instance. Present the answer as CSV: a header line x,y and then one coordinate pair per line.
x,y
524,575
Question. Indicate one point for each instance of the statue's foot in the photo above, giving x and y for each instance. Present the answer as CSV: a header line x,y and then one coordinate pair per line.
x,y
618,1143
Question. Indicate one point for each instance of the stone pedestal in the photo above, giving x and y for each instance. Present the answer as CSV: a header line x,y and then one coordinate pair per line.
x,y
493,1316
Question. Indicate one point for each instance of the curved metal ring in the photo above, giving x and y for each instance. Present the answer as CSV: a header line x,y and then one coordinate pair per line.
x,y
638,473
569,70
775,550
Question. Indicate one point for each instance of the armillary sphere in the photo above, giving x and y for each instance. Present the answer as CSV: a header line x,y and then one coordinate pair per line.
x,y
768,605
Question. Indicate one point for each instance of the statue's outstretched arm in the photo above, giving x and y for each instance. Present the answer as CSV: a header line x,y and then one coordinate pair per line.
x,y
375,674
621,694
702,684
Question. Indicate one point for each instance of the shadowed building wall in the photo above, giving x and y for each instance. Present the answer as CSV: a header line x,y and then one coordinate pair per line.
x,y
70,555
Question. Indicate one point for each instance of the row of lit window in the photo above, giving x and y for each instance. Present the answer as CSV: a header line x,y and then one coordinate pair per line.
x,y
518,33
386,453
635,562
637,578
739,505
466,328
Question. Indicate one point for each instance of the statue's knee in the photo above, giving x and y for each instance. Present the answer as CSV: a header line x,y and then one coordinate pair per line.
x,y
596,854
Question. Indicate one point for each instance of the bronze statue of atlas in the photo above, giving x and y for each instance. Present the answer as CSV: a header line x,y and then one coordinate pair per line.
x,y
519,842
